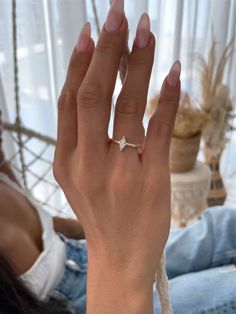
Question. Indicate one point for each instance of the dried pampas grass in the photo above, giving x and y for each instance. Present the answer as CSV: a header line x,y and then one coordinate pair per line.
x,y
215,102
189,121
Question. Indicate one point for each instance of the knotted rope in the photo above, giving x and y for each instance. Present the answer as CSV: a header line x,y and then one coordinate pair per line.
x,y
17,94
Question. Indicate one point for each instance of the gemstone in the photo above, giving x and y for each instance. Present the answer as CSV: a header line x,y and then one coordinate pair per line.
x,y
122,143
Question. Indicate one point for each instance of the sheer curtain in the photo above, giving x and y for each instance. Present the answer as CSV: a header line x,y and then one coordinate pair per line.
x,y
48,30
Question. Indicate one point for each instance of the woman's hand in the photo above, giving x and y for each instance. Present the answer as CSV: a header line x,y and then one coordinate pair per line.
x,y
121,198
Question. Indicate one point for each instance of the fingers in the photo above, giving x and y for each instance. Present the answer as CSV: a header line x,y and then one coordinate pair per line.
x,y
67,103
132,100
95,94
161,124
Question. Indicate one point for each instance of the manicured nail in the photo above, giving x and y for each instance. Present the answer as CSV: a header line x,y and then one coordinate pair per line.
x,y
115,16
84,38
174,74
143,31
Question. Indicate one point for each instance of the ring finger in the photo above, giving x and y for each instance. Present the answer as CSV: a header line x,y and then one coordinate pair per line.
x,y
132,100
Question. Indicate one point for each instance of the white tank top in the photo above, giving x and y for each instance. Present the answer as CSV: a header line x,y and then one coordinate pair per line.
x,y
46,272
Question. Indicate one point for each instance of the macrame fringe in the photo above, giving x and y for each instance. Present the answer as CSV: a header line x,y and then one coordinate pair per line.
x,y
162,286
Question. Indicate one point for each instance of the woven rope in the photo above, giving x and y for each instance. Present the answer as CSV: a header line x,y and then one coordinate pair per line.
x,y
22,138
38,179
163,287
17,96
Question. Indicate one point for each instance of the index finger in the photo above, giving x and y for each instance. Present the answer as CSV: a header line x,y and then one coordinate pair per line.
x,y
95,93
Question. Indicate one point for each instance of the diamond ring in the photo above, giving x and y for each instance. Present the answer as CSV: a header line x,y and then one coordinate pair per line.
x,y
123,143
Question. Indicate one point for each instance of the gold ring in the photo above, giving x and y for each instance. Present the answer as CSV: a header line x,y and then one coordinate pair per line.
x,y
123,143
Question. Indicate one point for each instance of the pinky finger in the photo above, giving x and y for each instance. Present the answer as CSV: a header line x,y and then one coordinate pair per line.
x,y
162,122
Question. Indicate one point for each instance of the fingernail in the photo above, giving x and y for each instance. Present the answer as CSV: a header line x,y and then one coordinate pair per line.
x,y
174,74
115,16
84,38
143,31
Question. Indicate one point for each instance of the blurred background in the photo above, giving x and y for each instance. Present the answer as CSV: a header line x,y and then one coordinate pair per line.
x,y
47,31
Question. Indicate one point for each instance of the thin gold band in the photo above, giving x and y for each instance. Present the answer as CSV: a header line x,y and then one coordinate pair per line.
x,y
127,144
123,143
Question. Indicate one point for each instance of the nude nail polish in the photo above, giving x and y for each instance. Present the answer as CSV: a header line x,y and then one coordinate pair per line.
x,y
115,16
84,38
174,74
143,31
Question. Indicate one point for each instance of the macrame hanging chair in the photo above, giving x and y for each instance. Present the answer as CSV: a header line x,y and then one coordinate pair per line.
x,y
26,157
24,160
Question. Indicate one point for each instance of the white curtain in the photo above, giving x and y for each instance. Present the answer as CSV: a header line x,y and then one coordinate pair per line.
x,y
48,30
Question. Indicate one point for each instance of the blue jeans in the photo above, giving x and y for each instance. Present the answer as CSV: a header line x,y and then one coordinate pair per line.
x,y
200,267
72,286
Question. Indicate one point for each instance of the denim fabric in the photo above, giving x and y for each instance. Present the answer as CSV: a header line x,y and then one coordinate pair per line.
x,y
208,291
200,267
72,286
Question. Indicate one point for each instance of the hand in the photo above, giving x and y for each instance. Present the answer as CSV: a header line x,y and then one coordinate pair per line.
x,y
122,199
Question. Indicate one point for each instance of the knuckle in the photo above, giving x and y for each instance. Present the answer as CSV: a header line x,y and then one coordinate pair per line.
x,y
160,126
139,59
168,99
163,128
61,166
88,94
104,46
127,105
73,64
67,100
57,171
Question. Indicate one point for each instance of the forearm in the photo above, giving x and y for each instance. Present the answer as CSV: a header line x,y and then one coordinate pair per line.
x,y
117,291
6,169
70,228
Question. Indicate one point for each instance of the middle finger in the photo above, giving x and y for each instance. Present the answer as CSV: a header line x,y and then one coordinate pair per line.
x,y
132,100
95,93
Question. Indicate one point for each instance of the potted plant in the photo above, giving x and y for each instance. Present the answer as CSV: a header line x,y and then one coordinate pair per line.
x,y
186,136
216,103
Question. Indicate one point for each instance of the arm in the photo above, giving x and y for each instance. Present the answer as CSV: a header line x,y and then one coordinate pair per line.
x,y
115,288
70,228
6,169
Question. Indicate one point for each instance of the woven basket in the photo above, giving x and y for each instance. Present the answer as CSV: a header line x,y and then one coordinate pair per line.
x,y
183,153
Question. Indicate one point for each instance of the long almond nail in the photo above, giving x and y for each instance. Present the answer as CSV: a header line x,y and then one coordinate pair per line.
x,y
115,16
174,74
143,31
84,38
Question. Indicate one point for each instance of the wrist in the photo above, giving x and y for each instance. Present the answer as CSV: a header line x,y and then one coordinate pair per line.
x,y
113,289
